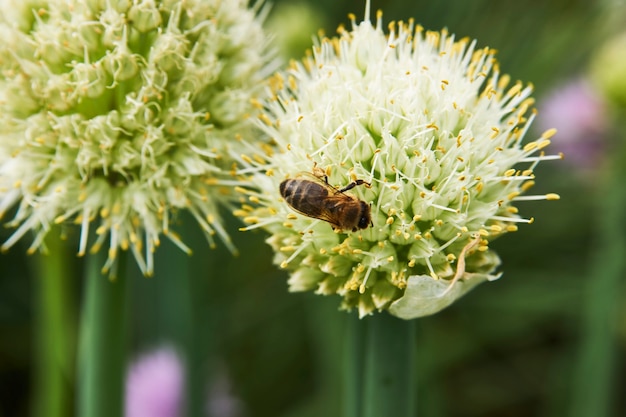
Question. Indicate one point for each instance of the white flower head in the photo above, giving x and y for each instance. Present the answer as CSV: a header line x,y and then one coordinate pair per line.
x,y
115,115
429,126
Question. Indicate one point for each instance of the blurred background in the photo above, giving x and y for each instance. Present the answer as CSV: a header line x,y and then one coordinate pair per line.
x,y
547,339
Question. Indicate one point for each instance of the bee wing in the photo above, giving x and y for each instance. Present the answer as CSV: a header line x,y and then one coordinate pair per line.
x,y
319,201
320,180
332,209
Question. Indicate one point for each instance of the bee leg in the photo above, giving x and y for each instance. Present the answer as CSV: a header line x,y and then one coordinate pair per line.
x,y
354,184
320,173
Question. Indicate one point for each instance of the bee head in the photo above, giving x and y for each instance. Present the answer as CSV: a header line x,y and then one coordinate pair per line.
x,y
366,217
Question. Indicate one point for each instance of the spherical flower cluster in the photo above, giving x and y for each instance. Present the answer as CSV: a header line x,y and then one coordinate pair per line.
x,y
429,126
115,115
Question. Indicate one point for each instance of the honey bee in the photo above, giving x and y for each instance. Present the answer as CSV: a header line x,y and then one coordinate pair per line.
x,y
312,196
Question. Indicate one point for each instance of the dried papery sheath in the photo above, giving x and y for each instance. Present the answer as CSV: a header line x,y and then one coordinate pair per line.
x,y
436,132
117,115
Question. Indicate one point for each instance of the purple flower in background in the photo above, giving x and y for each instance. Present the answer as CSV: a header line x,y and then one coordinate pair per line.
x,y
579,115
154,385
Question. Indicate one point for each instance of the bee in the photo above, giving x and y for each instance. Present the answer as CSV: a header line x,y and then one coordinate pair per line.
x,y
312,196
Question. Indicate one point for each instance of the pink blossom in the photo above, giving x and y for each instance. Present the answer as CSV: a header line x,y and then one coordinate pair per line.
x,y
579,115
155,385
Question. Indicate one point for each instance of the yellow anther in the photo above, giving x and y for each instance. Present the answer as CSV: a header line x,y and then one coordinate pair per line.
x,y
530,146
548,133
527,185
512,195
543,144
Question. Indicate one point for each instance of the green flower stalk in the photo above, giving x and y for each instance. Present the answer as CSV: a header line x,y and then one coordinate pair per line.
x,y
435,134
116,115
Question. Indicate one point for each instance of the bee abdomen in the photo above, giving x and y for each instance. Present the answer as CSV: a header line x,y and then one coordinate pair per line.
x,y
286,188
303,195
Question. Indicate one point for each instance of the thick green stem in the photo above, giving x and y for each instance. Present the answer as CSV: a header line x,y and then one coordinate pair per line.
x,y
380,367
175,316
389,384
55,331
102,348
354,359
